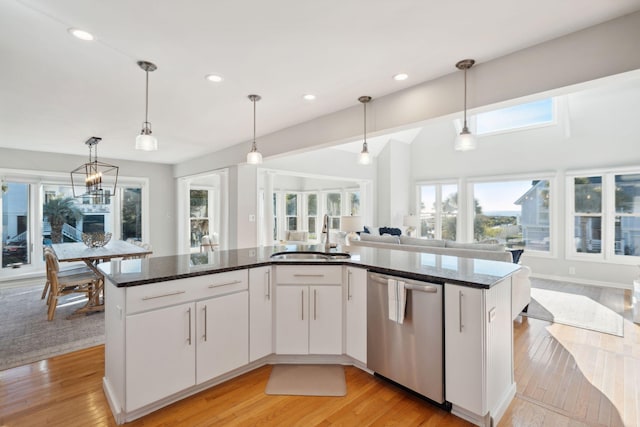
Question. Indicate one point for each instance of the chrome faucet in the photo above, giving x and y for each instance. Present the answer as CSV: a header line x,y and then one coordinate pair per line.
x,y
325,232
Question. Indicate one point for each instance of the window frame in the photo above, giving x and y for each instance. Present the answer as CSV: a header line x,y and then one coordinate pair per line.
x,y
608,215
553,190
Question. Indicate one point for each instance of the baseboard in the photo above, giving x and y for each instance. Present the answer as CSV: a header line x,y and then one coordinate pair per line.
x,y
503,405
573,279
116,409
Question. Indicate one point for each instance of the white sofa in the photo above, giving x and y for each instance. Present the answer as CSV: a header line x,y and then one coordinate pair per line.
x,y
521,285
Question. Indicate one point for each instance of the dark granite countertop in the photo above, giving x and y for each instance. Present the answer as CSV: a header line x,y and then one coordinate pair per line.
x,y
411,265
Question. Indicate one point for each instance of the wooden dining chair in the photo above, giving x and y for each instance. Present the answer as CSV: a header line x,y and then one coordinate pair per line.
x,y
66,271
67,282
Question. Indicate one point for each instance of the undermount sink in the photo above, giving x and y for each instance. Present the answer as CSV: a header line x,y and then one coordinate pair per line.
x,y
308,256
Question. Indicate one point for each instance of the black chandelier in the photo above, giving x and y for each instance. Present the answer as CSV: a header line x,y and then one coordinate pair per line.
x,y
89,177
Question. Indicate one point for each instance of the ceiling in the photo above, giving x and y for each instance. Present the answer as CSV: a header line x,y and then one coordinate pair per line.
x,y
56,91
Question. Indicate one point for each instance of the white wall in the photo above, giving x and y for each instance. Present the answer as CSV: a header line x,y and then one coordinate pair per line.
x,y
162,193
393,184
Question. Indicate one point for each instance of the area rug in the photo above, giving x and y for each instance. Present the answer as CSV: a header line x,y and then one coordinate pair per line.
x,y
27,336
307,380
582,306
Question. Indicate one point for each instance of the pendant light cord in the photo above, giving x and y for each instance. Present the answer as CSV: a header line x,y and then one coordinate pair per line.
x,y
146,103
254,122
365,123
465,98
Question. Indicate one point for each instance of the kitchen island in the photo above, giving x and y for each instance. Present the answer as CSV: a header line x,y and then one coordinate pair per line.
x,y
179,324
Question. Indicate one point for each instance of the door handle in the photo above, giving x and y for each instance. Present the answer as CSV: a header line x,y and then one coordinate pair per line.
x,y
315,303
268,294
205,323
460,295
189,312
301,302
349,285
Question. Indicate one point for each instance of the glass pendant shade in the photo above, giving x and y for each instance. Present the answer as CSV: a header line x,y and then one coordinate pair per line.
x,y
465,141
254,157
364,158
146,141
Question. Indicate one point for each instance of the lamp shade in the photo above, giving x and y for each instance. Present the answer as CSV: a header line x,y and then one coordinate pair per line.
x,y
410,221
146,142
350,223
254,157
465,141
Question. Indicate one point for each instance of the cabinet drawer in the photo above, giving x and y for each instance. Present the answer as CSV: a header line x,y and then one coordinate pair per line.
x,y
308,275
217,284
161,294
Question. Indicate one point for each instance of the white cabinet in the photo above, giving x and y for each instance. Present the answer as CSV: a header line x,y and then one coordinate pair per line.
x,y
160,354
222,335
171,336
356,314
309,310
260,313
479,351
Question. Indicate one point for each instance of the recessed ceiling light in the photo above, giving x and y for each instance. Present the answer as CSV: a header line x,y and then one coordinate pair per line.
x,y
309,97
401,76
81,34
213,78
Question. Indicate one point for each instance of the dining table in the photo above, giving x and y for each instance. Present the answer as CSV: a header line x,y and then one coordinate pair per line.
x,y
92,256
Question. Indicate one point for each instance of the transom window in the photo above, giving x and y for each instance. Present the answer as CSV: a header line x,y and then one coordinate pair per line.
x,y
521,116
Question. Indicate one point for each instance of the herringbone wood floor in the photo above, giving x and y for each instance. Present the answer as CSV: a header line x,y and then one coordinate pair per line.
x,y
566,377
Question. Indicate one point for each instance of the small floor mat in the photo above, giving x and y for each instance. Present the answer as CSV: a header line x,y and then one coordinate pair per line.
x,y
307,380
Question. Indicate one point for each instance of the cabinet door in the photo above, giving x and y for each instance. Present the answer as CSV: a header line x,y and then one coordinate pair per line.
x,y
160,354
325,320
223,335
292,320
464,347
260,313
356,312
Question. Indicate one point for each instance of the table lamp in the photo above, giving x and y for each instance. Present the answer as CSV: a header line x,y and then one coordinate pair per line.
x,y
351,224
411,222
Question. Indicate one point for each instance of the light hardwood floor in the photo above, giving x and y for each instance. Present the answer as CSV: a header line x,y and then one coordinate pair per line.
x,y
566,377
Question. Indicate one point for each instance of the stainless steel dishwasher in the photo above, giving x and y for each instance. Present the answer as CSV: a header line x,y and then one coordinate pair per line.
x,y
410,354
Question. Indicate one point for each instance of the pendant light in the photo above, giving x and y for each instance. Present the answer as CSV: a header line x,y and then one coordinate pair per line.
x,y
465,141
146,141
89,177
254,157
364,158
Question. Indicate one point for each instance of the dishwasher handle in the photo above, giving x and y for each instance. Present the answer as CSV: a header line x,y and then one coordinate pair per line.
x,y
408,284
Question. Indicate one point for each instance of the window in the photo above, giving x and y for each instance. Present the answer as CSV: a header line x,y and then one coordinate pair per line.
x,y
627,218
198,216
334,211
131,227
275,216
291,200
312,215
438,211
587,213
522,116
605,216
15,225
353,198
514,213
